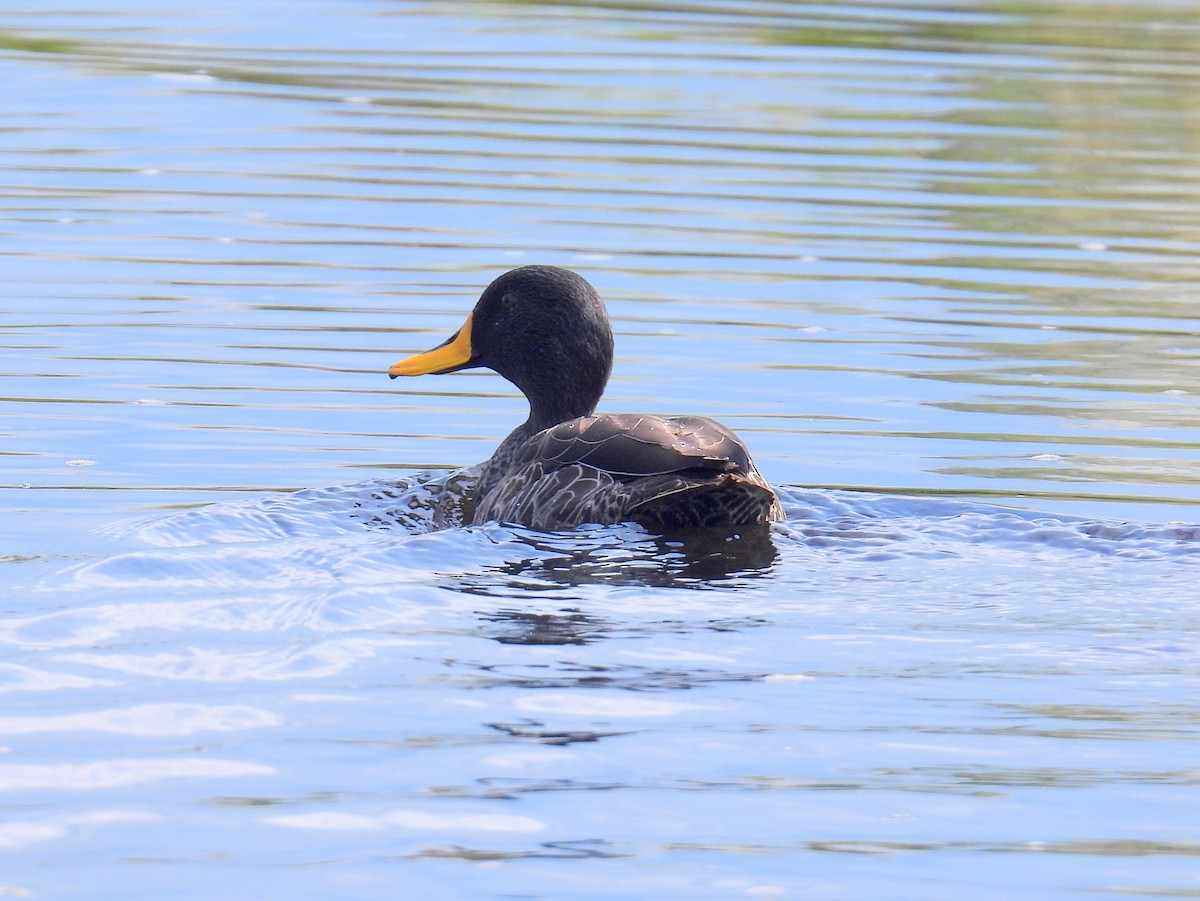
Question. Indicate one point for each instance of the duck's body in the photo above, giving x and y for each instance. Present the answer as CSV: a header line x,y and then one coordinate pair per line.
x,y
546,331
663,473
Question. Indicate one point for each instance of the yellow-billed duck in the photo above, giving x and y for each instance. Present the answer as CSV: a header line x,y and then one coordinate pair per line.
x,y
547,331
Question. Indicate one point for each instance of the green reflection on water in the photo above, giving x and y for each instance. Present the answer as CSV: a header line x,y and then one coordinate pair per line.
x,y
10,40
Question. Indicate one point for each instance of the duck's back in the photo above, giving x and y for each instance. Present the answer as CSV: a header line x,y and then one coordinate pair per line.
x,y
664,473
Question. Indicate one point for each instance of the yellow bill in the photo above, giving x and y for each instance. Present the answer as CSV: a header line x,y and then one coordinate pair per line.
x,y
451,354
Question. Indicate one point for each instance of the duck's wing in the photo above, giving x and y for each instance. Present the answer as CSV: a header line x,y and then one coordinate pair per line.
x,y
628,444
665,473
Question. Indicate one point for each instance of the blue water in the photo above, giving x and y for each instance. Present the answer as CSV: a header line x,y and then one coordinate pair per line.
x,y
935,263
297,694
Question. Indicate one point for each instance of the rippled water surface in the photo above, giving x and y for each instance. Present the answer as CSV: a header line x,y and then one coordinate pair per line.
x,y
937,263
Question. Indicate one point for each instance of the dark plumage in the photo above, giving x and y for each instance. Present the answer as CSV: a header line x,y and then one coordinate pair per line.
x,y
546,330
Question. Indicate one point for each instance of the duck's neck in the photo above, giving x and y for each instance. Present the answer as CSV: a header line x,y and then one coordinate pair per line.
x,y
547,412
561,387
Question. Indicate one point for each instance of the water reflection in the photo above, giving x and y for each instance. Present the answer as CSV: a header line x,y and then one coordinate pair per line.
x,y
523,627
592,849
626,555
533,730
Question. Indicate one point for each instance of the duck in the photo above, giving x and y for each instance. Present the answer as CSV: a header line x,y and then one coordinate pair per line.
x,y
547,331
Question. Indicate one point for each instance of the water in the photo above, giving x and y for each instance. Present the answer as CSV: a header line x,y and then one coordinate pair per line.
x,y
937,265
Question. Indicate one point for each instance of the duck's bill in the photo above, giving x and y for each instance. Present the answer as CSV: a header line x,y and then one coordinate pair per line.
x,y
452,354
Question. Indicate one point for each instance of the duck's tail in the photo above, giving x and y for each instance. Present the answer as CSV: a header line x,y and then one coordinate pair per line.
x,y
687,500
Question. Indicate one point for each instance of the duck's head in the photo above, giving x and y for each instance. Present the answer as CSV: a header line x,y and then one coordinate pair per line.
x,y
541,327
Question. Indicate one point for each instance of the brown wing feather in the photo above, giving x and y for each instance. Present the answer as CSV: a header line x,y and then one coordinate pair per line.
x,y
627,444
